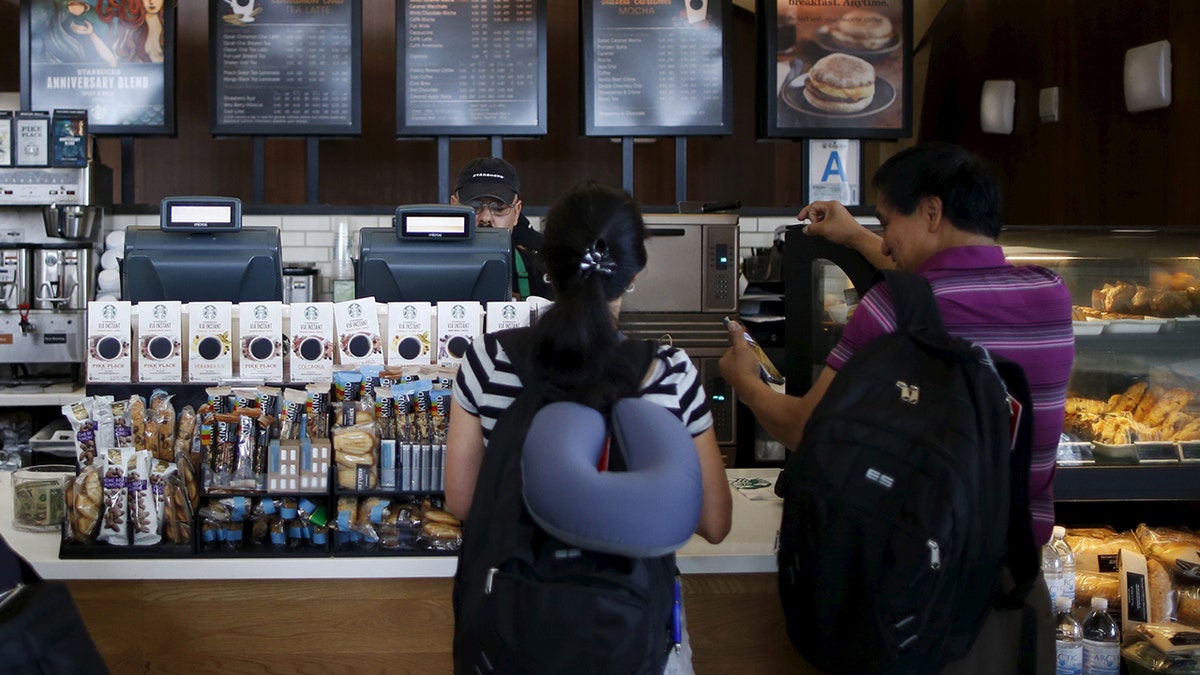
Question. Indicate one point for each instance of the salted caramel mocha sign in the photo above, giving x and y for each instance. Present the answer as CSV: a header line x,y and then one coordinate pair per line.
x,y
285,67
656,67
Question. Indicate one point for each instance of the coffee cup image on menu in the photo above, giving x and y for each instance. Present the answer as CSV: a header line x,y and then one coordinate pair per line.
x,y
211,347
312,348
260,347
361,345
454,346
410,347
107,347
159,347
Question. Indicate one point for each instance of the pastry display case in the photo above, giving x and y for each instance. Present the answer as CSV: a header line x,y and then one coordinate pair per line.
x,y
1132,426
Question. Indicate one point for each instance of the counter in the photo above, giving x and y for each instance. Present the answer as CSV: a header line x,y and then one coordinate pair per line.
x,y
29,396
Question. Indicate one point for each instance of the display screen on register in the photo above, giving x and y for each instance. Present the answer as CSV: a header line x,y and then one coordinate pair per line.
x,y
435,221
435,226
201,214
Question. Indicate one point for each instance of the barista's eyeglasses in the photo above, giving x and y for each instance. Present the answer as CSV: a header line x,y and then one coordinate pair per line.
x,y
498,209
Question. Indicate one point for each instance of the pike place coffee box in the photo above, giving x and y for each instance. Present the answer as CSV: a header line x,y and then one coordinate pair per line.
x,y
210,343
358,338
31,138
68,138
160,331
505,315
260,331
410,330
311,334
108,329
6,136
459,324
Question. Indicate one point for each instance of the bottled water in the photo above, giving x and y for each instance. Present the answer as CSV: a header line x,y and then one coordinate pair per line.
x,y
1052,568
1101,641
1068,640
1068,562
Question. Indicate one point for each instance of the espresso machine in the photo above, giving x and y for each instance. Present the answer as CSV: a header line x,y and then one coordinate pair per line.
x,y
50,229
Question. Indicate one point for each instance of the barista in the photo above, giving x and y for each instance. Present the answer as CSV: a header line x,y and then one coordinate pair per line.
x,y
491,186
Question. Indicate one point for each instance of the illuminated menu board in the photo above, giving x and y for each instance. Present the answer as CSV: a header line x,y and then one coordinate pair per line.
x,y
285,67
656,68
470,67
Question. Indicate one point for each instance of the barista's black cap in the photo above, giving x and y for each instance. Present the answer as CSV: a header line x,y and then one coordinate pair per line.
x,y
488,177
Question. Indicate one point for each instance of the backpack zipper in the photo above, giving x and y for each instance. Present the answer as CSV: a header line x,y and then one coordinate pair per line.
x,y
935,555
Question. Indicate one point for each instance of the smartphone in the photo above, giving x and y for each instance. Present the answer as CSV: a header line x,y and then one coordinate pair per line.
x,y
770,374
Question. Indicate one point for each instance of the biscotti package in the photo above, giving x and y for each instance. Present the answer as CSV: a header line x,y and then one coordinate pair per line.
x,y
358,338
410,331
68,138
260,327
311,334
31,138
505,315
210,343
160,331
109,331
6,138
459,325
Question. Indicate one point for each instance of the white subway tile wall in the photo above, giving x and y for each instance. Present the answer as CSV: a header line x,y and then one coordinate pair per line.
x,y
308,240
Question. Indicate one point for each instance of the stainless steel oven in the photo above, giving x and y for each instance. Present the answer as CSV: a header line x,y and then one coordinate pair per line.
x,y
689,285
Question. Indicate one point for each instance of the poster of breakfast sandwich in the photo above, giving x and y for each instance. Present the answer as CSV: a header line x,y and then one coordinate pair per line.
x,y
836,68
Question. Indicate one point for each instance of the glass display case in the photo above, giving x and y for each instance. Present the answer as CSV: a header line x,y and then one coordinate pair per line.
x,y
1132,428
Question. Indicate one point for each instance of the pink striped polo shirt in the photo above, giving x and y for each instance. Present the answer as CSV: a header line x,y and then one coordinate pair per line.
x,y
1021,313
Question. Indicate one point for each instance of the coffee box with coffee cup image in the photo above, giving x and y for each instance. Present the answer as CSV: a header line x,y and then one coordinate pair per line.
x,y
310,358
505,315
358,338
459,324
260,341
210,341
108,335
159,353
410,327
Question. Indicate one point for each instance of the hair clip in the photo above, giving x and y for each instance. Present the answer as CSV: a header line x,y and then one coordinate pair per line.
x,y
597,259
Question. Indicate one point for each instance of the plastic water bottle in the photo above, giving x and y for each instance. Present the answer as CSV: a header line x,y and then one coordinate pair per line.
x,y
1068,562
1052,570
1068,640
1101,641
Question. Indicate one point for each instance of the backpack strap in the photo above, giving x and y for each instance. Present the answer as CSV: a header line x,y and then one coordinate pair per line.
x,y
916,308
522,273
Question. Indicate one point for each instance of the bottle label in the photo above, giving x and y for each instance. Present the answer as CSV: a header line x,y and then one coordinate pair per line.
x,y
1070,658
1101,658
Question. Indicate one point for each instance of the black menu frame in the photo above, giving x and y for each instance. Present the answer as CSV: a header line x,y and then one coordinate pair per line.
x,y
224,20
476,115
784,112
73,56
663,17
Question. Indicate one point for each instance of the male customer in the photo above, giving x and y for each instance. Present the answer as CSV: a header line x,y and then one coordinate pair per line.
x,y
491,186
939,206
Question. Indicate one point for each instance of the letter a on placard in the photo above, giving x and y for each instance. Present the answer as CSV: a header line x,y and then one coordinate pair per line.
x,y
834,168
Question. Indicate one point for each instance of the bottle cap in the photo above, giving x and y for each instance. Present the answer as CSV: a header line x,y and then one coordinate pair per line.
x,y
1062,603
1059,532
1100,603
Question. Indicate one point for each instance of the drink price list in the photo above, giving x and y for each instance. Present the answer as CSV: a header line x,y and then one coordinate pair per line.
x,y
287,67
654,67
471,67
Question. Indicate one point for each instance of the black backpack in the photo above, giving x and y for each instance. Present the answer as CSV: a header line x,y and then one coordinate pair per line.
x,y
905,499
526,602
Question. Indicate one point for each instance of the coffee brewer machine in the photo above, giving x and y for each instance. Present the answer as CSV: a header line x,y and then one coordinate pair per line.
x,y
50,226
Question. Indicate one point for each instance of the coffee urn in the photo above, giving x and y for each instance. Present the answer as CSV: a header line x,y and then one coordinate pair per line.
x,y
50,228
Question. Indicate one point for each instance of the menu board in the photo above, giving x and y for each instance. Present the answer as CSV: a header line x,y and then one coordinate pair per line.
x,y
285,67
115,59
656,67
470,67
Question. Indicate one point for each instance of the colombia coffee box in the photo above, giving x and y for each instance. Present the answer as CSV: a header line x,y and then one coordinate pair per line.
x,y
210,341
459,324
108,331
6,136
505,315
68,138
410,325
160,329
31,138
260,327
311,333
358,339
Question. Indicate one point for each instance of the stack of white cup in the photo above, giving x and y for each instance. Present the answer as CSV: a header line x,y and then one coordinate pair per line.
x,y
108,282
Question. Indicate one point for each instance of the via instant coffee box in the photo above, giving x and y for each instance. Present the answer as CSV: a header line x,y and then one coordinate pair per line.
x,y
358,338
260,336
410,333
459,324
210,341
311,333
108,330
506,315
160,330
